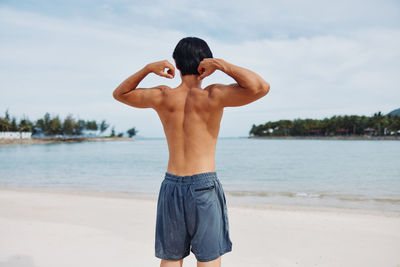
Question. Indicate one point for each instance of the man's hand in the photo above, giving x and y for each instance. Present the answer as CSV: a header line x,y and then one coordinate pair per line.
x,y
159,68
207,67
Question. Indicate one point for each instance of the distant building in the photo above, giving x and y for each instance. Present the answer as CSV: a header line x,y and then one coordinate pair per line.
x,y
15,135
90,133
369,131
342,131
269,131
315,131
395,132
38,133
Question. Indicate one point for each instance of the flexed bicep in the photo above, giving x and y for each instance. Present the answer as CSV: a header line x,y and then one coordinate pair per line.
x,y
143,97
234,95
128,93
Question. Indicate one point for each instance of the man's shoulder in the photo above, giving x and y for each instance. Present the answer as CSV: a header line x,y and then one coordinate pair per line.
x,y
215,89
212,88
164,89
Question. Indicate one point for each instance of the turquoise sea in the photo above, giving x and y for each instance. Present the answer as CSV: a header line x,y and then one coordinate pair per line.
x,y
340,173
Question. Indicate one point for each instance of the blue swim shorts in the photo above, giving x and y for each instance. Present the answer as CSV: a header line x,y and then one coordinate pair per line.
x,y
191,216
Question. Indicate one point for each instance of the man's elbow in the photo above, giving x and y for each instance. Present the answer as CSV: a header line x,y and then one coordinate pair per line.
x,y
264,88
116,95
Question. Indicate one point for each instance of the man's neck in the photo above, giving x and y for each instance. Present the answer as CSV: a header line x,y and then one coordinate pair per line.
x,y
191,81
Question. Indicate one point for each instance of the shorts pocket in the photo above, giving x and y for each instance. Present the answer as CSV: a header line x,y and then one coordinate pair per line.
x,y
205,193
205,188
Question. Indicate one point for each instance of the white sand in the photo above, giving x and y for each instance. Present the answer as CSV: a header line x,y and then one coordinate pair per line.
x,y
56,229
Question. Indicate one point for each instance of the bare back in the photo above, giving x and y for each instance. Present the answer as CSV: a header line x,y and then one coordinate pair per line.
x,y
190,115
191,122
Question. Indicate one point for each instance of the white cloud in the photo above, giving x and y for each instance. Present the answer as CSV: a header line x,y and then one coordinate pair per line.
x,y
65,65
255,19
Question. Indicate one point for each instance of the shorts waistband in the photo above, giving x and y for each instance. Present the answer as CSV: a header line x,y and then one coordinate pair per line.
x,y
191,178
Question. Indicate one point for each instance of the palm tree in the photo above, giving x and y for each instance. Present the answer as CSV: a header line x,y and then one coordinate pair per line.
x,y
55,126
25,125
132,132
377,120
103,126
112,131
68,125
5,122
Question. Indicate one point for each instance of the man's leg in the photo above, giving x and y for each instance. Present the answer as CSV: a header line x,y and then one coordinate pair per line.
x,y
207,222
213,263
166,263
172,239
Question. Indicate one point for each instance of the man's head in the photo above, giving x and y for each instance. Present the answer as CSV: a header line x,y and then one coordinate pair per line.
x,y
188,54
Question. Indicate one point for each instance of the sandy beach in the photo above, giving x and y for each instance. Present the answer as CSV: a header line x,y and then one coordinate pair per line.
x,y
55,228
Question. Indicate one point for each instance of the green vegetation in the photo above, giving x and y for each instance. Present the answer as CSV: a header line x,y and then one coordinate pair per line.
x,y
376,125
52,126
132,132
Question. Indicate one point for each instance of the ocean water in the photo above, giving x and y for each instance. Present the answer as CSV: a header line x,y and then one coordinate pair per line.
x,y
339,173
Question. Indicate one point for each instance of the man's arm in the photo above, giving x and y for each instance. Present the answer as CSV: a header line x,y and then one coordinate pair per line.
x,y
249,86
127,92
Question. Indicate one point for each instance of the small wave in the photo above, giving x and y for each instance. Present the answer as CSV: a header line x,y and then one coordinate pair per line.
x,y
310,195
273,194
248,193
393,201
305,195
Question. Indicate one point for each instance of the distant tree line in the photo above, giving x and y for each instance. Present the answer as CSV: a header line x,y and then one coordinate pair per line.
x,y
51,126
376,125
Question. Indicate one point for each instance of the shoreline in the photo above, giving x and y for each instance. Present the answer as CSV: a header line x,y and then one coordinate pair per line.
x,y
59,140
350,137
54,140
230,201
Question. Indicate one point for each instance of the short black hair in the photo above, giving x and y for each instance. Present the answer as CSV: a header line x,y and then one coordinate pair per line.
x,y
188,54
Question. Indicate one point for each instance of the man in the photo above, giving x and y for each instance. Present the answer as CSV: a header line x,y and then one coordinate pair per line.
x,y
191,208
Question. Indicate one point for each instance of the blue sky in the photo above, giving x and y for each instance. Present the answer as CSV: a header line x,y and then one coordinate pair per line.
x,y
322,58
